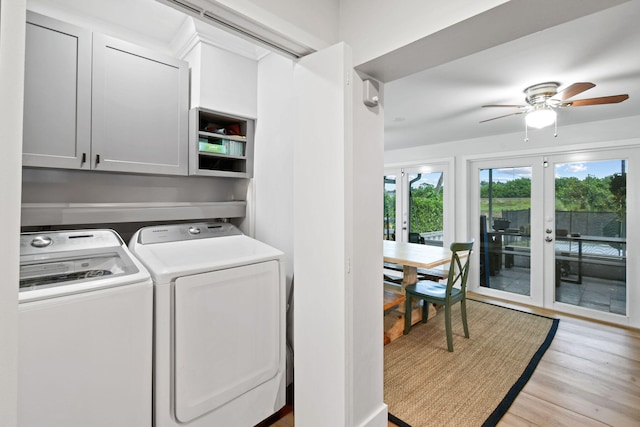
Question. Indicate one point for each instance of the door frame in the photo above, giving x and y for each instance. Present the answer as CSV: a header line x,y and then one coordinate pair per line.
x,y
540,188
632,157
446,166
536,296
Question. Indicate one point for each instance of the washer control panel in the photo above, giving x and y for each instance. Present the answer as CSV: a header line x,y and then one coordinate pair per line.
x,y
61,241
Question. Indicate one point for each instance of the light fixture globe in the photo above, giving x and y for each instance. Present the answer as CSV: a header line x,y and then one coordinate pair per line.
x,y
540,117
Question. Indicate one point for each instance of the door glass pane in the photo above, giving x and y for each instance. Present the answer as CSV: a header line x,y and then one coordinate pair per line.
x,y
590,243
425,208
505,240
389,215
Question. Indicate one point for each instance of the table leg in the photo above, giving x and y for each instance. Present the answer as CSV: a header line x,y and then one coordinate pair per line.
x,y
410,276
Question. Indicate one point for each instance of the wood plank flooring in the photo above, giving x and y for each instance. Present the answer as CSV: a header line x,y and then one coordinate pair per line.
x,y
589,377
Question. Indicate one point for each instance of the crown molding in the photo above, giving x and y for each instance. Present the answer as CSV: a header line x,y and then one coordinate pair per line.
x,y
194,31
215,15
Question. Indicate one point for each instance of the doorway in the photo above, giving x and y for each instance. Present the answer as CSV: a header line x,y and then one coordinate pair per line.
x,y
553,231
417,203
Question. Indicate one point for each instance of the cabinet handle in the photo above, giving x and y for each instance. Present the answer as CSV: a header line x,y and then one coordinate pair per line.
x,y
84,159
97,158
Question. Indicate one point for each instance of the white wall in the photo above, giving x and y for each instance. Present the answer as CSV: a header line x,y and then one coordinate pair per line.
x,y
391,42
12,30
366,308
338,252
606,133
322,237
271,204
374,28
273,166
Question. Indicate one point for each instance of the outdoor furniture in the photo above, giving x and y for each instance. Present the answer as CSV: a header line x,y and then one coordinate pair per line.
x,y
582,258
444,294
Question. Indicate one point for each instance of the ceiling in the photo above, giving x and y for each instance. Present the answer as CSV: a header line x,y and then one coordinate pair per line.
x,y
443,103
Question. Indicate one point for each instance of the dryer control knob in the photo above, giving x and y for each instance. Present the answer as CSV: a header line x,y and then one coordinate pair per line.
x,y
194,230
41,242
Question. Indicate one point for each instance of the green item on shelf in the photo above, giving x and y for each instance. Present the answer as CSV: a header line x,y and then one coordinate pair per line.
x,y
213,148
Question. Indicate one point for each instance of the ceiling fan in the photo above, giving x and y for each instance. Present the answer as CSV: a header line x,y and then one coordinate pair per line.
x,y
543,98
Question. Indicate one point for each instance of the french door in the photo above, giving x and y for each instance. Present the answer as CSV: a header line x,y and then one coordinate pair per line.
x,y
553,231
416,204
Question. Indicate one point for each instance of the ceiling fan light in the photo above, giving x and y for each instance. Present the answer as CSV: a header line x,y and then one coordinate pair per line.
x,y
540,118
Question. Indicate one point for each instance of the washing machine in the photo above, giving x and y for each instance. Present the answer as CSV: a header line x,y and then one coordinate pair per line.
x,y
85,332
220,319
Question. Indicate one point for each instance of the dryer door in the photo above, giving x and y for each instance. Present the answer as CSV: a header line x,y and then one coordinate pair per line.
x,y
228,335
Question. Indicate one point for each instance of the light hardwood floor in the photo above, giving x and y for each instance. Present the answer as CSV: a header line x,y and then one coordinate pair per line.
x,y
588,377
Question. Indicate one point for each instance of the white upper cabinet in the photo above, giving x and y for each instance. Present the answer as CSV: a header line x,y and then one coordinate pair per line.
x,y
140,109
95,102
57,94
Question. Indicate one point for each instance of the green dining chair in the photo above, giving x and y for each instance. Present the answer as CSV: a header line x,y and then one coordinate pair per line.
x,y
447,294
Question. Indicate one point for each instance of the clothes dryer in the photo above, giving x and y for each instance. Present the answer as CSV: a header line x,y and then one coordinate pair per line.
x,y
219,328
85,332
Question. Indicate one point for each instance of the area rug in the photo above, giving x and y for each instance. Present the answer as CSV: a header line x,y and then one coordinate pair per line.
x,y
426,385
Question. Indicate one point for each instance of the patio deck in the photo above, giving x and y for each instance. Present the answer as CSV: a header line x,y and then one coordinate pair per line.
x,y
598,294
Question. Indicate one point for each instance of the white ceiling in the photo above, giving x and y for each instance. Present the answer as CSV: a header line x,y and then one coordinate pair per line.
x,y
443,103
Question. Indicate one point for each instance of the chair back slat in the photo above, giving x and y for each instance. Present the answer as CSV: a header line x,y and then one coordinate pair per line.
x,y
459,269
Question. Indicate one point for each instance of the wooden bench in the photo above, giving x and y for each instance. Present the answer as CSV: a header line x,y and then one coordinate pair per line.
x,y
393,304
392,300
434,274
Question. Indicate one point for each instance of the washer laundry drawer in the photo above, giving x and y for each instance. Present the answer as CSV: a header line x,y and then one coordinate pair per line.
x,y
227,335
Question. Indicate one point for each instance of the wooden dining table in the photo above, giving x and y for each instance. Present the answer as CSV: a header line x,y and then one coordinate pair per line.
x,y
413,256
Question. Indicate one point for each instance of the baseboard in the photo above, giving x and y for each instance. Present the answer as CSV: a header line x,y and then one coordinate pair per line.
x,y
377,419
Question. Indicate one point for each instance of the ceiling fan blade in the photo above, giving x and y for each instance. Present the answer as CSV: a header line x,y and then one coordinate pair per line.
x,y
506,115
596,101
573,90
504,105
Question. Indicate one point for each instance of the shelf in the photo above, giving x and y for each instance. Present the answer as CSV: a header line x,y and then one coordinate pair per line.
x,y
34,214
236,138
227,156
220,154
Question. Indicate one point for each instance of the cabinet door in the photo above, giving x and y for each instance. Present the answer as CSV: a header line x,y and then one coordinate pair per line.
x,y
139,110
57,98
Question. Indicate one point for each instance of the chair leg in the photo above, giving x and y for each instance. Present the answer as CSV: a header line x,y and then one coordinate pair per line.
x,y
463,310
447,319
425,311
407,314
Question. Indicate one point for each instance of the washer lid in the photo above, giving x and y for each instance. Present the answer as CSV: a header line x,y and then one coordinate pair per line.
x,y
64,262
171,259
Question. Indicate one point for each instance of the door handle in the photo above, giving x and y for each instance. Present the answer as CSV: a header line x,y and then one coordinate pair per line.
x,y
548,239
